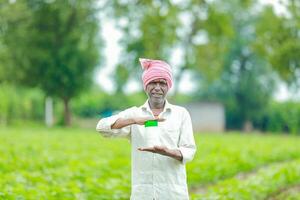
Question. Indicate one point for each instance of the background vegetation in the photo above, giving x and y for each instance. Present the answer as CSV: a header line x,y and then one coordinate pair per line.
x,y
240,58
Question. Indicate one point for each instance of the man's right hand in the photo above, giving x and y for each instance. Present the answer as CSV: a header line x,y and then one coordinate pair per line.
x,y
120,123
142,120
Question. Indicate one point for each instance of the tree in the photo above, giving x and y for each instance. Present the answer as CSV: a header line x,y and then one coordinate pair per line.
x,y
217,45
14,24
231,69
149,30
279,40
62,47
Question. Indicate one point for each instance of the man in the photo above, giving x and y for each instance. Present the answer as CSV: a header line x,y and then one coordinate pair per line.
x,y
158,172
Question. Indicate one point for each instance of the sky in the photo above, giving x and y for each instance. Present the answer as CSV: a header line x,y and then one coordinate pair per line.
x,y
112,52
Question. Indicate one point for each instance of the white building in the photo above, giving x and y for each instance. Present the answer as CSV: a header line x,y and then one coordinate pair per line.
x,y
207,116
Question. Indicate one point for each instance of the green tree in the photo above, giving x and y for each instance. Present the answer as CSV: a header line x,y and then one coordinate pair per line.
x,y
12,31
279,40
149,30
62,47
14,27
217,45
230,68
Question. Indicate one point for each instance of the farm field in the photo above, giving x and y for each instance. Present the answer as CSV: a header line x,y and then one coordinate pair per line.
x,y
71,163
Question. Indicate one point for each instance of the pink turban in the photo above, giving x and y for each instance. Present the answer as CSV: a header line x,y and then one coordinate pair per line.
x,y
155,69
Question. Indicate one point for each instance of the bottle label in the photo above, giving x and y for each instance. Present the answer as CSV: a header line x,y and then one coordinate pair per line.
x,y
150,123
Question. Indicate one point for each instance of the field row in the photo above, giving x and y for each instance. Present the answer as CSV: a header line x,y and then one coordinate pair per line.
x,y
222,156
260,185
57,163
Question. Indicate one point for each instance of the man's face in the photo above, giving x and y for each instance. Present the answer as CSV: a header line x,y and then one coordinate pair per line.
x,y
157,90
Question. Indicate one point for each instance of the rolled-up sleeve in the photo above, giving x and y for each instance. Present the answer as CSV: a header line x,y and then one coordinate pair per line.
x,y
104,125
186,143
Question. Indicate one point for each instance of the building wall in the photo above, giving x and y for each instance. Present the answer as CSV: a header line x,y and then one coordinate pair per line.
x,y
207,116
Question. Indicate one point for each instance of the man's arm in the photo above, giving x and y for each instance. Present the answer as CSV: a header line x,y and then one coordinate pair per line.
x,y
121,123
186,144
105,125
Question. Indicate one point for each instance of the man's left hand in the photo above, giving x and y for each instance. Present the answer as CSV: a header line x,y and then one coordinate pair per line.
x,y
164,151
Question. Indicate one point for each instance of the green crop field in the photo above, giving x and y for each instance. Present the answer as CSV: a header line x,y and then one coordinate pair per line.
x,y
61,163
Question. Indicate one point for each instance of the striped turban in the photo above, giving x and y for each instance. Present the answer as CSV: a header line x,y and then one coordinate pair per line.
x,y
155,69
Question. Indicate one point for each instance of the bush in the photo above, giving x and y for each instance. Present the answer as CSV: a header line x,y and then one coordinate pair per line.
x,y
95,103
19,103
281,117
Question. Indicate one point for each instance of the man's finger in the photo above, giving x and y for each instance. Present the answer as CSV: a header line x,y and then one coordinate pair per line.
x,y
149,151
150,118
158,148
146,149
161,119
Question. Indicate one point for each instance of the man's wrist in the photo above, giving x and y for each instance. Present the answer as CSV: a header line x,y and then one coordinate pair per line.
x,y
133,120
175,153
120,123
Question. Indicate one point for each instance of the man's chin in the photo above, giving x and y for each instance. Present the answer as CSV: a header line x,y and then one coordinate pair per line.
x,y
157,99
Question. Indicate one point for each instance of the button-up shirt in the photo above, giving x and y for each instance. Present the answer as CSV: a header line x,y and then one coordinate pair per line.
x,y
154,176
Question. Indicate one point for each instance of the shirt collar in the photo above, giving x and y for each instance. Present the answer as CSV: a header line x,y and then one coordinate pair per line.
x,y
146,106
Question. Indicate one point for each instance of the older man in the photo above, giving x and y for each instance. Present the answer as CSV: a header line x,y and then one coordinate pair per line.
x,y
158,172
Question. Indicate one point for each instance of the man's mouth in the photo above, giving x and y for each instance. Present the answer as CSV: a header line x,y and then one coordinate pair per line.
x,y
156,95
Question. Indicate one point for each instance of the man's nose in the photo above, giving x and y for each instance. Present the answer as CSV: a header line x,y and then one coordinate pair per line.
x,y
157,86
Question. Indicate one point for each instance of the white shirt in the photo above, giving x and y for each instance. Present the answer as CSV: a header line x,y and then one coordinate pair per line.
x,y
154,176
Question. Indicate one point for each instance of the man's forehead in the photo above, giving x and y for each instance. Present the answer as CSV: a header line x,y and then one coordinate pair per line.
x,y
159,80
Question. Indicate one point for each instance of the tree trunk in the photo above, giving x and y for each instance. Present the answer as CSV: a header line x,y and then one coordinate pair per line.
x,y
49,111
67,113
247,127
